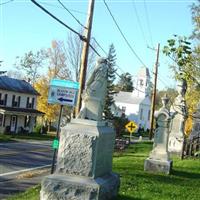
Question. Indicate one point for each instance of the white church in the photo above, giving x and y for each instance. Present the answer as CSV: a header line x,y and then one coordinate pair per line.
x,y
136,105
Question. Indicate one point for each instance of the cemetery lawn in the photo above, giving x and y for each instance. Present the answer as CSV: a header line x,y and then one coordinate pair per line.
x,y
183,183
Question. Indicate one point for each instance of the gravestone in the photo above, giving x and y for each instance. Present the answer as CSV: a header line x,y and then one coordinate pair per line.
x,y
179,110
195,124
158,160
84,162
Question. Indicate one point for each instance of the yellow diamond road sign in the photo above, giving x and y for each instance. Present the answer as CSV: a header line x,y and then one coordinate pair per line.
x,y
131,126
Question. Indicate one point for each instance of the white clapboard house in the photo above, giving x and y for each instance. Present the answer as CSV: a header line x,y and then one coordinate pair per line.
x,y
18,101
136,105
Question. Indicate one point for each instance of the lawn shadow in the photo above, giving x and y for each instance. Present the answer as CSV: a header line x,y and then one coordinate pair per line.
x,y
185,174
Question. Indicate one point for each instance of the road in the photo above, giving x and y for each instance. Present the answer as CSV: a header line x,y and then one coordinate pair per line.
x,y
20,157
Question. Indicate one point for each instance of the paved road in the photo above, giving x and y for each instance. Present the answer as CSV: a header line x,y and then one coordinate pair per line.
x,y
18,157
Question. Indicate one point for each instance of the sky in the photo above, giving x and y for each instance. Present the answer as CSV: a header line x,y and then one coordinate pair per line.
x,y
145,23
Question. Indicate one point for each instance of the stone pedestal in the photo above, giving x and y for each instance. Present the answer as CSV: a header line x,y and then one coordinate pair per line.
x,y
158,160
66,187
84,164
158,165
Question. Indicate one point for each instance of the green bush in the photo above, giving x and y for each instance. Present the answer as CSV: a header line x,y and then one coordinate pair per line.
x,y
40,129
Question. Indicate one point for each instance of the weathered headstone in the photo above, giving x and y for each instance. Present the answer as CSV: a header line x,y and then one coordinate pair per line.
x,y
84,163
179,110
195,124
158,160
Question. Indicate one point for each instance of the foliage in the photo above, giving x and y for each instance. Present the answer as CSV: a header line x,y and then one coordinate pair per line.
x,y
195,8
30,64
58,67
125,83
51,111
171,93
138,184
40,129
179,50
119,124
111,78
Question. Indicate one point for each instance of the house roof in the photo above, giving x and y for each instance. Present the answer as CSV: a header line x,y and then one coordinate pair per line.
x,y
16,85
127,97
22,110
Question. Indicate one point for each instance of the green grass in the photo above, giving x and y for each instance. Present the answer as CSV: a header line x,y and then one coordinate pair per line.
x,y
30,136
30,194
182,184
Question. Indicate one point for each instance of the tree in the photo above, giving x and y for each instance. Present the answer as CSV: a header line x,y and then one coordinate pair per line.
x,y
73,50
30,64
58,66
51,111
171,93
110,87
187,61
125,83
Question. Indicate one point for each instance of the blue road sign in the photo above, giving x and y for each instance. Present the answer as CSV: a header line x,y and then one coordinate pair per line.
x,y
63,92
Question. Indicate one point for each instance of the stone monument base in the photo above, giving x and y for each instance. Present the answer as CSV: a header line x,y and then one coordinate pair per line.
x,y
158,166
69,187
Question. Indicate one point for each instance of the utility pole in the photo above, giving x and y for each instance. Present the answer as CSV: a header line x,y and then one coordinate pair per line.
x,y
154,93
85,51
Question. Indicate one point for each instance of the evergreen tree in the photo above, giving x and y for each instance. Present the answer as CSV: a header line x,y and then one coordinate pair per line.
x,y
125,83
111,78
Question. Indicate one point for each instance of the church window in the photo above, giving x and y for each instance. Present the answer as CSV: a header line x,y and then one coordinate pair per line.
x,y
123,109
141,114
149,115
141,82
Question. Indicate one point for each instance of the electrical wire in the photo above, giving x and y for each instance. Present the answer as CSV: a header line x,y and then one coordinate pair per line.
x,y
138,20
68,27
122,34
52,5
6,2
71,14
148,22
93,38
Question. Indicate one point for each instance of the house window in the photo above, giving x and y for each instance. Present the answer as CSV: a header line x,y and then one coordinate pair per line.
x,y
123,109
149,113
16,101
1,119
3,99
30,102
141,114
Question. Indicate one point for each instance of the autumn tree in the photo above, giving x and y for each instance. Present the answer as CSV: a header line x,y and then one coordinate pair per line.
x,y
57,68
186,61
29,64
58,63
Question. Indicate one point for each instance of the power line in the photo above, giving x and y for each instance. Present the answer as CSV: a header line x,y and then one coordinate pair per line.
x,y
71,14
138,20
6,2
122,34
148,22
68,27
99,46
72,10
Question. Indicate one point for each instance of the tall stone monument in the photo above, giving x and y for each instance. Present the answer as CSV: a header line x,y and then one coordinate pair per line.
x,y
84,162
179,110
195,124
158,160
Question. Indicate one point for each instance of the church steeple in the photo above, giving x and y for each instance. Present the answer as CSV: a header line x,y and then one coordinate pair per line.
x,y
142,83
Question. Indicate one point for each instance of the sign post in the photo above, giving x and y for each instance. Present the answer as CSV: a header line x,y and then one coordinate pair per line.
x,y
131,127
61,92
